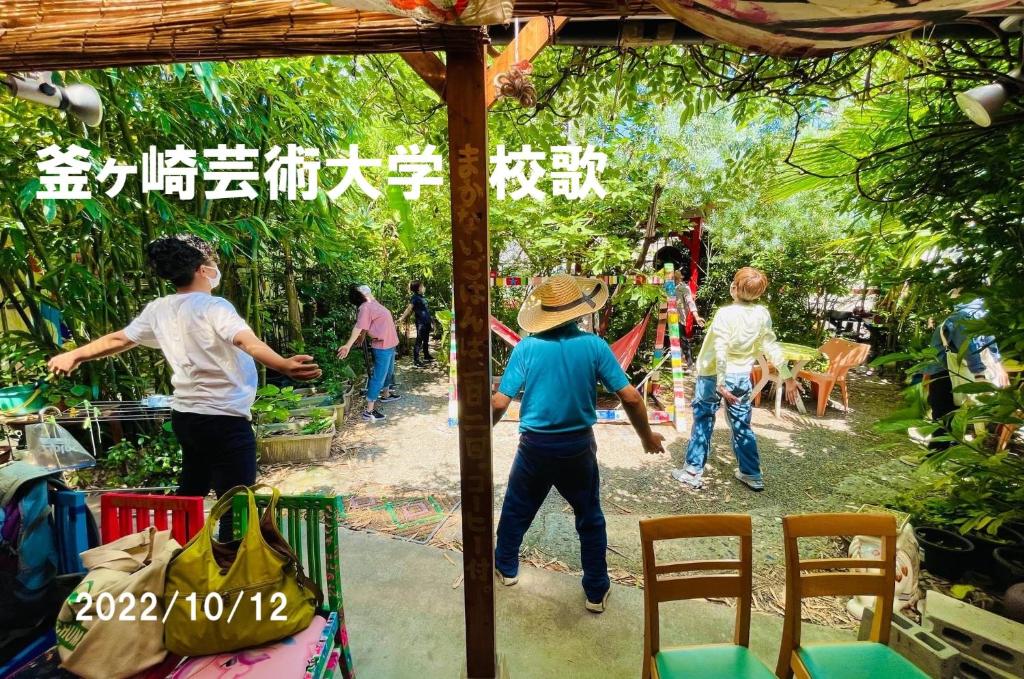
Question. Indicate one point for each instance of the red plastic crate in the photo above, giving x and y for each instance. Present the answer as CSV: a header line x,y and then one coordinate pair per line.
x,y
126,513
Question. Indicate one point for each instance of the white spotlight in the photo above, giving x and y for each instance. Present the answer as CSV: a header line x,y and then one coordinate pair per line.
x,y
80,100
982,102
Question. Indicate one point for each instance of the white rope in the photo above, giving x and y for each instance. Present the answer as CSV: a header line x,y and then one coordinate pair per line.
x,y
515,41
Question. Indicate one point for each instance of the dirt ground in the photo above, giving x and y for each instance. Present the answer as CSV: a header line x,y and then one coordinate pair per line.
x,y
811,464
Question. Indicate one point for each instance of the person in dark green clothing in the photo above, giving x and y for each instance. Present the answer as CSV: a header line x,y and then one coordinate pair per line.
x,y
557,369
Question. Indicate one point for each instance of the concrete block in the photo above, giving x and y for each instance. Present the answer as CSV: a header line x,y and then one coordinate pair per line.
x,y
996,641
930,654
969,668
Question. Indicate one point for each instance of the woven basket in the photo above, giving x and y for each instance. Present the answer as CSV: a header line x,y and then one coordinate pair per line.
x,y
300,448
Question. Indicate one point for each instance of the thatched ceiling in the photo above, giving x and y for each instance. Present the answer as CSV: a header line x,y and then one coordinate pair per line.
x,y
66,34
63,34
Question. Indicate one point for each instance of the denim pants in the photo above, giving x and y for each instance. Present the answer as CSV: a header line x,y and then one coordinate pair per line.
x,y
706,401
569,463
383,373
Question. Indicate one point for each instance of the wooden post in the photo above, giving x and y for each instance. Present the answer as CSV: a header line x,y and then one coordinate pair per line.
x,y
467,153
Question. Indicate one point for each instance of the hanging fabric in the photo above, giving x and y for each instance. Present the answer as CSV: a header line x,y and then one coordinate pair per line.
x,y
624,348
810,27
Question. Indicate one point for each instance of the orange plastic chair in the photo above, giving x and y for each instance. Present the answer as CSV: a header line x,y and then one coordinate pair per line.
x,y
871,659
842,355
674,581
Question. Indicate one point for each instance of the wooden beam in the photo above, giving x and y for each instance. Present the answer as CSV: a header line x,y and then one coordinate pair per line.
x,y
429,67
467,159
533,37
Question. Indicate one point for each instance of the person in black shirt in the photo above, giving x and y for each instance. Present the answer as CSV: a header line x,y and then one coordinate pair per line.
x,y
421,315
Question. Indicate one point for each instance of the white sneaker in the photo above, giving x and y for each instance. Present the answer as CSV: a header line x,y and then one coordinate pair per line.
x,y
505,580
752,482
688,478
601,605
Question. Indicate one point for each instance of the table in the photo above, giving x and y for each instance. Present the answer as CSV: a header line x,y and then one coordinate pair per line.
x,y
798,355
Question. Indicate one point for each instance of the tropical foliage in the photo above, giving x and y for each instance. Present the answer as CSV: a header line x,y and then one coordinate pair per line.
x,y
856,169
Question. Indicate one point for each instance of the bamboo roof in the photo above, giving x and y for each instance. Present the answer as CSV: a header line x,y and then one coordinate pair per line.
x,y
65,34
61,34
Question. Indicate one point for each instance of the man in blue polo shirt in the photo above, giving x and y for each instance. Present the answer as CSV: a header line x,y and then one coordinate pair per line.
x,y
558,369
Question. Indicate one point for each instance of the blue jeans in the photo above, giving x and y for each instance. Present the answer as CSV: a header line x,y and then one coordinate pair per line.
x,y
383,373
706,401
569,463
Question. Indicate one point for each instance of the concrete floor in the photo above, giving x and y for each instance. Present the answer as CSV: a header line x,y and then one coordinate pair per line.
x,y
404,607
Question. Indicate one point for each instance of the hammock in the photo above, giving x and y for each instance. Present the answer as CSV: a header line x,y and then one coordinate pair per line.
x,y
504,332
624,348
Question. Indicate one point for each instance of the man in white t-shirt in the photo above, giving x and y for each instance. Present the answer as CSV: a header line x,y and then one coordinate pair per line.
x,y
210,350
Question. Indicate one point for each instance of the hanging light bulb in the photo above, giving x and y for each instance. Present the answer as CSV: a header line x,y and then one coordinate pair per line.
x,y
80,100
981,103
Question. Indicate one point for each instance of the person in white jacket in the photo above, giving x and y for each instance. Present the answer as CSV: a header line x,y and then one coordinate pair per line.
x,y
736,336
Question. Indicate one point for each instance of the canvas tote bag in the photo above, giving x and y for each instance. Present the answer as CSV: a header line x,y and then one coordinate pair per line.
x,y
223,597
960,374
112,624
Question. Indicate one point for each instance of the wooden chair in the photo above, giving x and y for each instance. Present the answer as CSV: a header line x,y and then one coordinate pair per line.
x,y
872,659
842,355
713,661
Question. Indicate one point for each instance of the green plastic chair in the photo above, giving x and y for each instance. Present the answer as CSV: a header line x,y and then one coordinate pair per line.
x,y
675,581
310,525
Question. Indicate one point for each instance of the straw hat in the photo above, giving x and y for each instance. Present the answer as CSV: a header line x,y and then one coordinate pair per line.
x,y
560,299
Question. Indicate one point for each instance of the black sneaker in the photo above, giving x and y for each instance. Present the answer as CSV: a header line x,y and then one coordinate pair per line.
x,y
389,399
375,416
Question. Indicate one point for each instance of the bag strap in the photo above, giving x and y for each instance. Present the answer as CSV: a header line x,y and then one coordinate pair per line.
x,y
100,557
279,544
945,340
222,507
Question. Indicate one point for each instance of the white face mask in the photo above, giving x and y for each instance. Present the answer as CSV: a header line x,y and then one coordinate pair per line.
x,y
215,281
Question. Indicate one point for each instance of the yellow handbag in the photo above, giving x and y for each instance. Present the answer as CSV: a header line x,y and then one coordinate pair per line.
x,y
223,597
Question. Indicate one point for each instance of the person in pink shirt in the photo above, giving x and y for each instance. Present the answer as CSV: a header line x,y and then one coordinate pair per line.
x,y
376,321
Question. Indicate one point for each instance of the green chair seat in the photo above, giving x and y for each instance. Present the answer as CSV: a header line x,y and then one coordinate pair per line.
x,y
857,660
726,661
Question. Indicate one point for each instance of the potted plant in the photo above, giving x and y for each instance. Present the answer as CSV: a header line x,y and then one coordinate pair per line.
x,y
273,404
333,393
1008,566
281,436
946,553
974,504
987,541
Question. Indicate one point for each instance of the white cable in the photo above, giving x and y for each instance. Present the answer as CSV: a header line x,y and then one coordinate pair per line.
x,y
515,41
